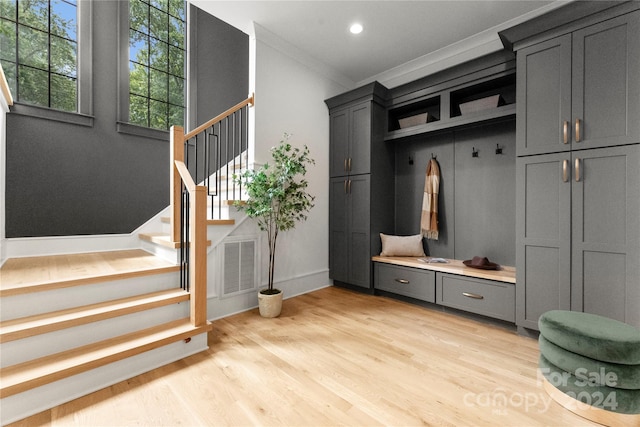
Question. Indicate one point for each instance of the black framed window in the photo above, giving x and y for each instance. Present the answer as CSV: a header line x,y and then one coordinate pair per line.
x,y
39,51
157,53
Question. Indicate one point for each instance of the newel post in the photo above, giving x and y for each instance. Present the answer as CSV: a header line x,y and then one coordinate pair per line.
x,y
176,152
198,256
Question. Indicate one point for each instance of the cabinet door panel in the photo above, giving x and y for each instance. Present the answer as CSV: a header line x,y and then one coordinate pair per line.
x,y
606,233
338,236
543,233
339,142
544,97
603,286
359,231
360,148
606,65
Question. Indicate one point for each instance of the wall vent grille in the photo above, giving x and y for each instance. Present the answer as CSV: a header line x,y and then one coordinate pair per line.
x,y
239,267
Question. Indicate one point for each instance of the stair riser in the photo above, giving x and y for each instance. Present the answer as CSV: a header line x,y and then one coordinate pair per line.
x,y
167,254
13,307
31,402
14,352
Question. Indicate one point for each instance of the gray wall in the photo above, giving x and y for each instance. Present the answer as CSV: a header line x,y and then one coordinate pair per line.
x,y
65,179
221,77
477,194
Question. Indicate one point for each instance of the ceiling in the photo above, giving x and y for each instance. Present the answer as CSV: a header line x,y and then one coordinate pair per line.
x,y
395,32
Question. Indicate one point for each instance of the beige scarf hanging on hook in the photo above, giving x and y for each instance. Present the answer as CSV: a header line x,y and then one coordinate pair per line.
x,y
429,217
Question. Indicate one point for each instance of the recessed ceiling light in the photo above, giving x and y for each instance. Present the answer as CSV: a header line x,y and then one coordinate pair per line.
x,y
356,28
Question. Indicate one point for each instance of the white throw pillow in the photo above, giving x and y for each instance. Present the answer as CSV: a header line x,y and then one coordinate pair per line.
x,y
402,245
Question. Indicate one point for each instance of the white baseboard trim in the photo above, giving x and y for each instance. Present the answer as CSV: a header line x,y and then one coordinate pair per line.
x,y
304,283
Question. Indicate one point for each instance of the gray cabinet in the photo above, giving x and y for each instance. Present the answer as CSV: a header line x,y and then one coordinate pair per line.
x,y
349,259
578,234
580,90
406,281
543,236
578,184
487,297
350,140
361,184
605,233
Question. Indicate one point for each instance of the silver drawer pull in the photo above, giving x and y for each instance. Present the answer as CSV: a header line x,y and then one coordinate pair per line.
x,y
474,296
403,281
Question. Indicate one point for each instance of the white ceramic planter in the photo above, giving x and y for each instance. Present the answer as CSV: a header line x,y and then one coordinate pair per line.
x,y
270,305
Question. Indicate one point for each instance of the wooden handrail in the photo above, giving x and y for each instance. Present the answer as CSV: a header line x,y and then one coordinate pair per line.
x,y
186,176
230,111
197,239
4,86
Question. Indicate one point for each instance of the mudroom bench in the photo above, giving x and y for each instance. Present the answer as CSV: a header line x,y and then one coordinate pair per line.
x,y
452,284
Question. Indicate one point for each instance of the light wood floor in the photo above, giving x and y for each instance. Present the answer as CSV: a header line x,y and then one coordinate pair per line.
x,y
335,357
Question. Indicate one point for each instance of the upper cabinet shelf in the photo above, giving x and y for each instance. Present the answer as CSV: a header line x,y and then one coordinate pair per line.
x,y
481,92
418,113
484,97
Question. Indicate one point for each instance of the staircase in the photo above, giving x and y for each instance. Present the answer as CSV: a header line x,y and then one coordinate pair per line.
x,y
222,215
73,324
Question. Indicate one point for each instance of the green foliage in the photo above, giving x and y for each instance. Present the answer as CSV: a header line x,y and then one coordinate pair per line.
x,y
156,63
41,62
277,196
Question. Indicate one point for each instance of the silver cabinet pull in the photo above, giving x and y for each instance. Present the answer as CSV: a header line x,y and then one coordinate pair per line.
x,y
345,165
565,132
577,167
403,281
349,163
349,187
565,170
578,130
474,296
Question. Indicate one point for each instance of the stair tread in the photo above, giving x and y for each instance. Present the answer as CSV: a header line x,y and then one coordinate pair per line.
x,y
166,219
45,370
34,274
42,323
162,239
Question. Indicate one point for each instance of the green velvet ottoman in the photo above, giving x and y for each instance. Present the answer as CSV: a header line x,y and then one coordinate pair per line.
x,y
591,365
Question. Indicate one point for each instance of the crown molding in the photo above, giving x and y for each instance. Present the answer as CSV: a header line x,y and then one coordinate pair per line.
x,y
473,47
265,36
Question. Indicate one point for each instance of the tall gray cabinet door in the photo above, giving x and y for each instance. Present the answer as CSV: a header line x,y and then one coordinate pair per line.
x,y
359,230
606,233
544,97
606,83
338,235
339,142
359,161
543,236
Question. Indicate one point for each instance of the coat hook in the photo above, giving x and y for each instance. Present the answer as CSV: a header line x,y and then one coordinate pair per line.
x,y
474,153
498,149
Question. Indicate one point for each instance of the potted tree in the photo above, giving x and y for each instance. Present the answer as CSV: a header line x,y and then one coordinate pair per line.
x,y
277,199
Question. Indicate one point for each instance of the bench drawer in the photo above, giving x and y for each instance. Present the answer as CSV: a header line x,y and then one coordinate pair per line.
x,y
410,282
486,297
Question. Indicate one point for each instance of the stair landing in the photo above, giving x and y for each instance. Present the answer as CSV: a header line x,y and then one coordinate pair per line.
x,y
23,275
